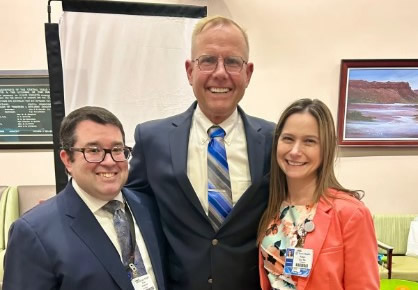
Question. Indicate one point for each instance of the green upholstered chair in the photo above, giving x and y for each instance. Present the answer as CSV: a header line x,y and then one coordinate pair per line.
x,y
14,202
10,212
2,188
392,234
3,198
2,204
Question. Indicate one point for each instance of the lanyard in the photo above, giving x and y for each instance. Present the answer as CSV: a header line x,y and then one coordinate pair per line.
x,y
307,227
132,234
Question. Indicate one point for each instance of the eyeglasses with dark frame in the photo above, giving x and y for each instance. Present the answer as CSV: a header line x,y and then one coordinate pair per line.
x,y
232,64
97,154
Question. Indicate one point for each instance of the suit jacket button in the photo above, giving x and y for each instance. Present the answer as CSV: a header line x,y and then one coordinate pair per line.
x,y
214,242
210,280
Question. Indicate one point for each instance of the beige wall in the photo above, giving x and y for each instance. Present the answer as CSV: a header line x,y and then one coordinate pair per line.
x,y
22,47
297,47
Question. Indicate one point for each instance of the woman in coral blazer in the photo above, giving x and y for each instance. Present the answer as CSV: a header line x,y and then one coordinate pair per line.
x,y
310,212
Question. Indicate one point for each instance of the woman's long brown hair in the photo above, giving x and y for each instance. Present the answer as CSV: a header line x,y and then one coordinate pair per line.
x,y
325,173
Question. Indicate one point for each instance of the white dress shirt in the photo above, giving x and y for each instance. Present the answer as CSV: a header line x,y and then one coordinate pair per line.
x,y
105,219
236,152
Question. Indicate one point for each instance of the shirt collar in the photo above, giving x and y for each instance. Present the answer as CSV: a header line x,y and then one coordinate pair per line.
x,y
203,124
93,203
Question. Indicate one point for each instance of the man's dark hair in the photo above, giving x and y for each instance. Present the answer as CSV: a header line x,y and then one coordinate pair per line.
x,y
95,114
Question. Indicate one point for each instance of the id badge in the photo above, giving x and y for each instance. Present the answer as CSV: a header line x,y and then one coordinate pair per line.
x,y
298,262
143,283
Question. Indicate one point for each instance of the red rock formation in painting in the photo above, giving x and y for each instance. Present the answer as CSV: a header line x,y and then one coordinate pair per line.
x,y
381,92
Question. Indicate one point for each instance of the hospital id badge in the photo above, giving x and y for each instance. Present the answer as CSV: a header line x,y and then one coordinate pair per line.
x,y
298,262
143,283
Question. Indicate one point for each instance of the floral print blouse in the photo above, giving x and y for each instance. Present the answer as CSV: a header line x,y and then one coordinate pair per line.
x,y
284,231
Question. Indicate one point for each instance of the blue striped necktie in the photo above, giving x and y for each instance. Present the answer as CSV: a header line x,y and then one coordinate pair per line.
x,y
219,184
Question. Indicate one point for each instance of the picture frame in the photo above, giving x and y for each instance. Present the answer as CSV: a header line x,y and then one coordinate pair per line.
x,y
25,110
378,103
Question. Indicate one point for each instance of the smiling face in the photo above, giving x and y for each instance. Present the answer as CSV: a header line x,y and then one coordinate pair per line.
x,y
219,92
102,180
298,148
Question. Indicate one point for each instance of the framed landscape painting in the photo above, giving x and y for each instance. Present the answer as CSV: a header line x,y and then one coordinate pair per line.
x,y
378,103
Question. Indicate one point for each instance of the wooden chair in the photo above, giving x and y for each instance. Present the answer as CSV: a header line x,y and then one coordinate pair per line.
x,y
392,235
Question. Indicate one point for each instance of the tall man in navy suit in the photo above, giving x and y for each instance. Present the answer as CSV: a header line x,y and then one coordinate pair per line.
x,y
170,162
72,241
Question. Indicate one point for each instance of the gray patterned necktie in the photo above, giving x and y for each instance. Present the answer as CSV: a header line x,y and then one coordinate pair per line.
x,y
122,228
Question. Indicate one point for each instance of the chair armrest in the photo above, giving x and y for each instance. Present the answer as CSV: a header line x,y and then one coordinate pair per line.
x,y
389,252
384,246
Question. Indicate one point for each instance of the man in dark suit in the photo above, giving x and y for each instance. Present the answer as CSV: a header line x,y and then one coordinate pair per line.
x,y
211,226
93,234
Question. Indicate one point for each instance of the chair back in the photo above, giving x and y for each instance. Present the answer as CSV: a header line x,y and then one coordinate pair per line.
x,y
2,188
11,212
393,230
14,202
31,195
3,199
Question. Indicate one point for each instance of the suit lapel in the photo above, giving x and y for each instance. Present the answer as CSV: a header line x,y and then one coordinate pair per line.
x,y
179,143
255,147
316,239
86,227
179,138
145,225
256,157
